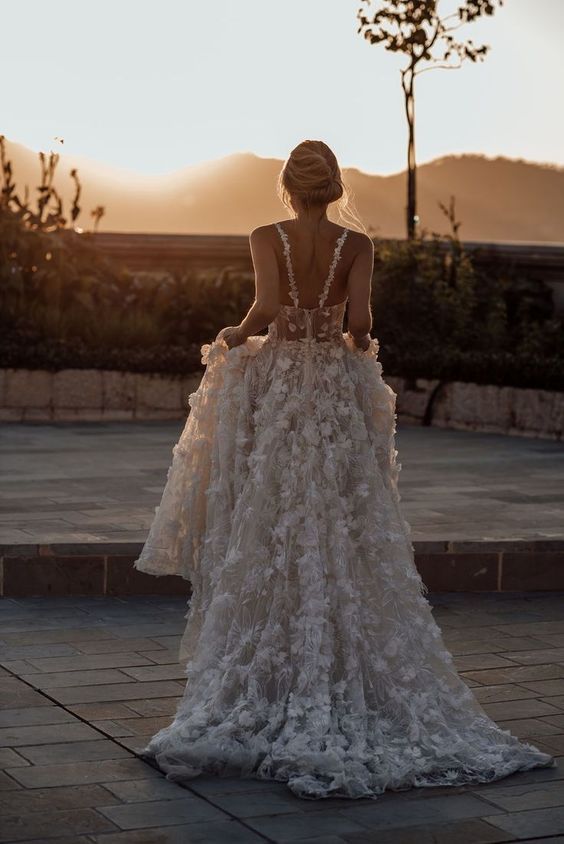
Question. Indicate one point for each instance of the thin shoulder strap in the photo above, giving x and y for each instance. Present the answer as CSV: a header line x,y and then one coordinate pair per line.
x,y
334,262
291,279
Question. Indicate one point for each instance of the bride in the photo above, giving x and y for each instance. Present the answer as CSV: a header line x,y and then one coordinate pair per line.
x,y
312,655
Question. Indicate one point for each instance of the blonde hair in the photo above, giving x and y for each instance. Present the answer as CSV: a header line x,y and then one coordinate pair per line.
x,y
311,173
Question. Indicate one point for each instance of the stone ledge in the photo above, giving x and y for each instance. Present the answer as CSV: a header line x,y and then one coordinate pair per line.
x,y
480,407
90,395
106,568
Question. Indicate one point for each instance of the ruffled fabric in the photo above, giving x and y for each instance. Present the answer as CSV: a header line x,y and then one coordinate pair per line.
x,y
312,656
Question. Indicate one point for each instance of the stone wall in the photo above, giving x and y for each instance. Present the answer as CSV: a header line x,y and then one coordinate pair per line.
x,y
105,568
480,407
98,395
92,395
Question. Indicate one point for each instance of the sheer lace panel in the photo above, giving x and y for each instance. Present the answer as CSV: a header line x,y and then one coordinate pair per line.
x,y
294,323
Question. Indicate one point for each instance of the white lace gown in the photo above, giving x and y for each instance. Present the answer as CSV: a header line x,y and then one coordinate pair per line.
x,y
312,655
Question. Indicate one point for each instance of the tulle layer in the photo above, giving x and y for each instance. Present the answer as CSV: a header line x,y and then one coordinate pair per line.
x,y
312,656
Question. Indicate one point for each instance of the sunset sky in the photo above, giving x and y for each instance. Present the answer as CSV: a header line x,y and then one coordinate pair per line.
x,y
156,86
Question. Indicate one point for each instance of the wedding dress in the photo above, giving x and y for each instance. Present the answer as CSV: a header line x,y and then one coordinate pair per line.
x,y
312,655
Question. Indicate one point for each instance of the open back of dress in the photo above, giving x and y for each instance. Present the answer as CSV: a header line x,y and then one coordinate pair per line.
x,y
322,323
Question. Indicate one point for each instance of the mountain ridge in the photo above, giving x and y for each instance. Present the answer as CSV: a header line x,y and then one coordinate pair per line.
x,y
497,198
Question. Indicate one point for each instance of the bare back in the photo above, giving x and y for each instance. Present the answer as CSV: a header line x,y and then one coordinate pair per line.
x,y
311,261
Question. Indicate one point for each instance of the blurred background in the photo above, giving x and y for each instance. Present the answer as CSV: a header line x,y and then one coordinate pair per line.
x,y
141,145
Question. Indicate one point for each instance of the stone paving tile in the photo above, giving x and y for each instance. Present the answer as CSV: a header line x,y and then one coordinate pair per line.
x,y
93,711
554,720
80,751
31,626
34,716
82,773
9,758
64,679
132,631
22,827
508,710
535,822
56,799
520,798
555,641
172,642
18,666
136,744
107,646
454,634
225,832
430,810
8,784
119,691
477,662
536,657
137,799
123,465
518,674
324,839
463,647
139,791
156,706
188,809
14,693
113,728
536,628
495,694
145,726
20,736
84,662
157,672
546,687
550,744
295,826
553,839
165,656
46,637
464,832
531,727
267,801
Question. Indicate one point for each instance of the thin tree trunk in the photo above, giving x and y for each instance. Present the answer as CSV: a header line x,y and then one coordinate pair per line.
x,y
411,207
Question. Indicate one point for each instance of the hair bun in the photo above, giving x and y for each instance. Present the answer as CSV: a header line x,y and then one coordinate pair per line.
x,y
312,174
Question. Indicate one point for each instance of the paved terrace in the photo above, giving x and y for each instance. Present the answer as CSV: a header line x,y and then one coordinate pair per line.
x,y
86,681
100,482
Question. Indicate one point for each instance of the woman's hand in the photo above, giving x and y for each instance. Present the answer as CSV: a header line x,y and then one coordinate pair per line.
x,y
361,343
231,335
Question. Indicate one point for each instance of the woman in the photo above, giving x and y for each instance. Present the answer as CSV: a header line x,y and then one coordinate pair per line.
x,y
312,654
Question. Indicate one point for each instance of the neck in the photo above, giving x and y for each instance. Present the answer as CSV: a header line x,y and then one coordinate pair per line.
x,y
311,218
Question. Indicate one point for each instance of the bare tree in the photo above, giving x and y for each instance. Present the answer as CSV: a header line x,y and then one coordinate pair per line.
x,y
416,29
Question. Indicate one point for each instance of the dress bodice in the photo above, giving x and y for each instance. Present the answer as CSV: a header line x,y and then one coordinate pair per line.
x,y
322,323
295,323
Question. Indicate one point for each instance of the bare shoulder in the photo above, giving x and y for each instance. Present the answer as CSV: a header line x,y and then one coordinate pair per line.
x,y
362,243
261,234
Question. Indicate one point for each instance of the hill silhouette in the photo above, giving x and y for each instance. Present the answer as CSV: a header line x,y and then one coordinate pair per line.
x,y
497,199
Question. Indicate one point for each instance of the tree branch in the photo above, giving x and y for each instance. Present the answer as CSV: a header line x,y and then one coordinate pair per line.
x,y
439,67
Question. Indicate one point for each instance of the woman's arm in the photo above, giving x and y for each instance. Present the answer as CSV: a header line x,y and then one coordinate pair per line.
x,y
359,285
267,303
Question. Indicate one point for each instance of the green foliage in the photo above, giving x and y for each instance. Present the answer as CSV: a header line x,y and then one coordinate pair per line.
x,y
417,29
63,304
439,314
